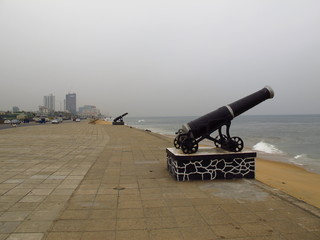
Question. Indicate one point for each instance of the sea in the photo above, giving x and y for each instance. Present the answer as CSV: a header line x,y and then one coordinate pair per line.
x,y
293,139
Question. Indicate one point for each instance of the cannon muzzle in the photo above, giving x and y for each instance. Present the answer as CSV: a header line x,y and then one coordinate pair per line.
x,y
195,131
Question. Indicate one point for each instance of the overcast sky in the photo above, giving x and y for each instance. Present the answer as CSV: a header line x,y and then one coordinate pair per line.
x,y
160,58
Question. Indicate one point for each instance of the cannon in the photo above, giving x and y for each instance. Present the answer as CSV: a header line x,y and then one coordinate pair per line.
x,y
119,120
188,137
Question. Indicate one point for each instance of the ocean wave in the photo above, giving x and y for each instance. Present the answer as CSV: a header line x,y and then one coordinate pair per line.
x,y
300,156
266,147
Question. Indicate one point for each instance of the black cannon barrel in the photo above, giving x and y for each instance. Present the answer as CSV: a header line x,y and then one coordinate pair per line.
x,y
244,104
214,120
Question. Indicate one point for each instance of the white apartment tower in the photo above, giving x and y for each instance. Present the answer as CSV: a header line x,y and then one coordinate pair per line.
x,y
49,102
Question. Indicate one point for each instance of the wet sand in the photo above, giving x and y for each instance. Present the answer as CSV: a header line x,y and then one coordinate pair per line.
x,y
291,179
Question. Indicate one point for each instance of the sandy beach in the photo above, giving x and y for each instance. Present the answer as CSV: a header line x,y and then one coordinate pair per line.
x,y
291,179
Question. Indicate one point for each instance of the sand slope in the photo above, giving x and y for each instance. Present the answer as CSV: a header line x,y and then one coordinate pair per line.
x,y
291,179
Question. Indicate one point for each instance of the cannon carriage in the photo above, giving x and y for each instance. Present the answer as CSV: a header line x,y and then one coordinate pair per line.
x,y
188,137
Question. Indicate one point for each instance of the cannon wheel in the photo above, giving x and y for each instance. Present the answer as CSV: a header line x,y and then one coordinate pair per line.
x,y
238,144
217,144
189,146
176,143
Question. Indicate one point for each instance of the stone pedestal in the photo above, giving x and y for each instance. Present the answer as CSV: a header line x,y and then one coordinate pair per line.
x,y
210,163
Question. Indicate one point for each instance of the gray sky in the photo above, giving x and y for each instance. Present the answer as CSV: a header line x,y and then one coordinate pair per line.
x,y
160,58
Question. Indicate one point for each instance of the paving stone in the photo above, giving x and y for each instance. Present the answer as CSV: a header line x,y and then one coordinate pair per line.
x,y
26,236
34,226
14,216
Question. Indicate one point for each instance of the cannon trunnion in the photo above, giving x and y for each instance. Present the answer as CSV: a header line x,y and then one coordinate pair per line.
x,y
189,136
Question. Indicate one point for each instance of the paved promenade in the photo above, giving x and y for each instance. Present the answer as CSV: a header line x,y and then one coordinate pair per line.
x,y
91,182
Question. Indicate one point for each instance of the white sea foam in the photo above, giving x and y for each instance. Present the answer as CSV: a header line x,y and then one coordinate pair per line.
x,y
266,147
300,156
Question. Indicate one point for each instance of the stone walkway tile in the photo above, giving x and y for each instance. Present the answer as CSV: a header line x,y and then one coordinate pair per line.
x,y
272,215
3,236
189,221
75,214
32,198
246,217
160,234
130,213
161,222
157,212
154,203
57,206
13,181
182,202
8,227
56,198
129,191
64,236
48,186
61,191
109,204
287,226
39,177
103,213
59,177
131,223
82,198
86,191
299,236
19,191
152,196
67,186
217,218
41,191
49,215
26,236
24,206
80,205
34,226
103,235
257,229
14,216
184,211
69,225
192,233
227,231
100,224
7,186
130,204
310,223
132,235
105,197
107,191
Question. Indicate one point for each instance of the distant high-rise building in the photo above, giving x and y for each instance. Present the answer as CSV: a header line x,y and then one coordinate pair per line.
x,y
71,103
49,102
15,109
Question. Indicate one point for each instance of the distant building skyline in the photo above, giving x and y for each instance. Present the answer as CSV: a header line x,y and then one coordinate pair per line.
x,y
71,103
